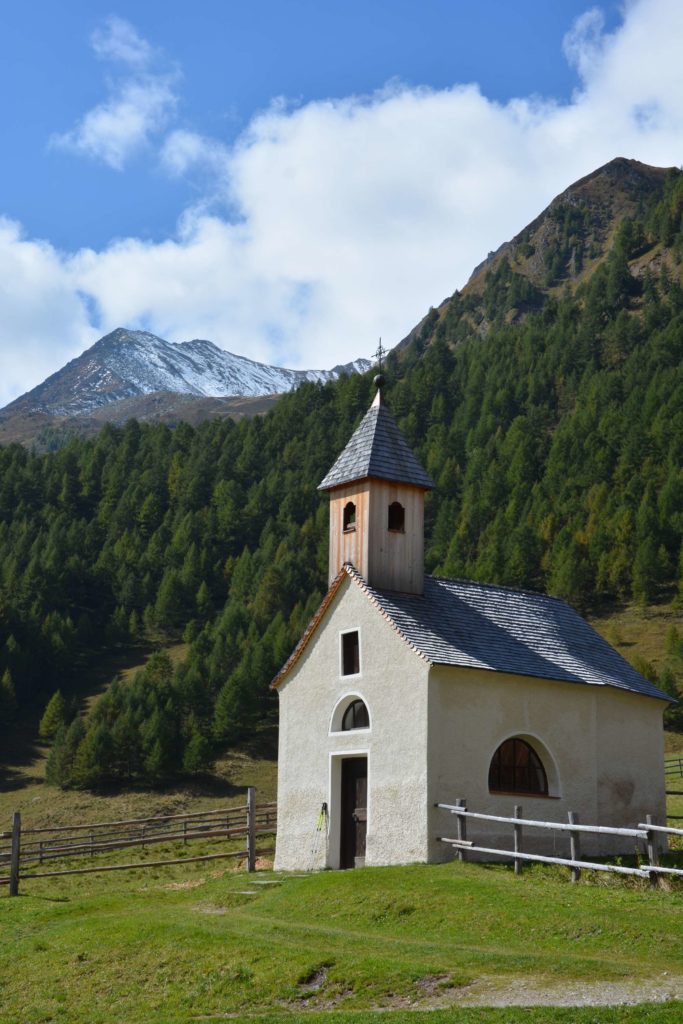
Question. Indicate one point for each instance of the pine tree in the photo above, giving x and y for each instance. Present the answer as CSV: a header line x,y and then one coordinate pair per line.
x,y
197,756
169,605
134,625
668,683
225,723
93,759
204,602
75,735
8,699
674,644
156,761
54,717
53,766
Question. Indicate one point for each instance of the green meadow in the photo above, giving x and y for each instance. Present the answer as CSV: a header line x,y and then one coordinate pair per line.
x,y
419,943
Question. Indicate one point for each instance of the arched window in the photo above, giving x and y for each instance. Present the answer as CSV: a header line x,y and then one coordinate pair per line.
x,y
356,716
397,517
517,768
349,520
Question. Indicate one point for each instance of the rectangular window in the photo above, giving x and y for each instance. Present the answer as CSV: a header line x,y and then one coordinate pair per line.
x,y
350,654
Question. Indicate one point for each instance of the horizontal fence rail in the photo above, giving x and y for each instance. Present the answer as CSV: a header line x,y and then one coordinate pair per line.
x,y
164,828
33,847
646,831
673,766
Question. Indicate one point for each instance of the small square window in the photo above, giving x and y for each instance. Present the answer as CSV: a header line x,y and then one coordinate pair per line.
x,y
350,654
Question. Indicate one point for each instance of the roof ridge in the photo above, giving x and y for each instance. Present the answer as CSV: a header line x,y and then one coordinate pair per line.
x,y
500,586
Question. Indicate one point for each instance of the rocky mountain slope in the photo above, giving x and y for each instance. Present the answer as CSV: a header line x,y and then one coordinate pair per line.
x,y
128,363
556,252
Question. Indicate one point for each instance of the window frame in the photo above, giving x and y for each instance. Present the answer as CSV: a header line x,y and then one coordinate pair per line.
x,y
402,527
340,709
349,526
354,703
529,768
342,673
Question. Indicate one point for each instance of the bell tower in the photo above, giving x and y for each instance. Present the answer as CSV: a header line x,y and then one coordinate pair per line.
x,y
377,490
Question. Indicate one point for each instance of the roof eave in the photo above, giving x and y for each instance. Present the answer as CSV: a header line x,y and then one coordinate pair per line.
x,y
373,476
347,571
659,695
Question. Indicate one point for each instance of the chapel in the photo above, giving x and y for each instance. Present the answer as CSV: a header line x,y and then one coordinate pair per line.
x,y
408,690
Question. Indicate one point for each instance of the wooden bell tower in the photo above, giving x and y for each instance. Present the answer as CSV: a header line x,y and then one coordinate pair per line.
x,y
377,490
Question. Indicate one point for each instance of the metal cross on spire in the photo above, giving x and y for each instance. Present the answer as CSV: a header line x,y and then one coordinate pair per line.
x,y
379,378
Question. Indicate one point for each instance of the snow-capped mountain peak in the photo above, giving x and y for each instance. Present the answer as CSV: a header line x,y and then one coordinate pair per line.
x,y
127,363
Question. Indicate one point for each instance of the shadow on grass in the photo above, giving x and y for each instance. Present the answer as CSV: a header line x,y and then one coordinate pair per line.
x,y
20,751
12,780
261,744
93,671
204,784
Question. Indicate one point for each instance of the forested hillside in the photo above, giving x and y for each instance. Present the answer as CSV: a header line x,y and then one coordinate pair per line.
x,y
550,417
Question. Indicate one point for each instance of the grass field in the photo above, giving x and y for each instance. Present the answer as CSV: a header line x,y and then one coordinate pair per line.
x,y
188,944
456,943
637,631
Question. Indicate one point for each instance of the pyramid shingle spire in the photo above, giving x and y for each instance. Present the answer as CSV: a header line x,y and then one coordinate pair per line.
x,y
377,449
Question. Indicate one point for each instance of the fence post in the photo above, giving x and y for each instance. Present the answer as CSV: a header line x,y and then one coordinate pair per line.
x,y
517,829
251,824
575,845
92,842
652,853
461,825
185,833
14,856
40,852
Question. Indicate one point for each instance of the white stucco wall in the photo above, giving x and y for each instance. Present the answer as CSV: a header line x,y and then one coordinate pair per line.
x,y
602,749
393,683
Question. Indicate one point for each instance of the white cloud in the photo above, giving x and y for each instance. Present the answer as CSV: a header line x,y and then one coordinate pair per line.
x,y
44,320
115,130
185,151
345,219
118,40
139,105
583,44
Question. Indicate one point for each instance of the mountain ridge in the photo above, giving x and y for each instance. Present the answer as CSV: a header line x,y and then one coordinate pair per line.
x,y
559,249
126,363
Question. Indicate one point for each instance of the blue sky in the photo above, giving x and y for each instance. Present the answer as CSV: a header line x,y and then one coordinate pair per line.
x,y
231,60
292,180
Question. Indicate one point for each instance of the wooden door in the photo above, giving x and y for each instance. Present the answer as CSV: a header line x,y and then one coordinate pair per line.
x,y
354,811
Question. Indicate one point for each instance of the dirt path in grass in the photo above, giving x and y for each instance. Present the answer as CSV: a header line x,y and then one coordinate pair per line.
x,y
497,991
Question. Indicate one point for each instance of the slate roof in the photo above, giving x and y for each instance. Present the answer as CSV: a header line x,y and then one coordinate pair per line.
x,y
377,448
473,625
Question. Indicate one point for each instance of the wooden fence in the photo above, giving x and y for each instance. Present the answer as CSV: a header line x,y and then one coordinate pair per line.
x,y
647,831
674,792
22,849
673,767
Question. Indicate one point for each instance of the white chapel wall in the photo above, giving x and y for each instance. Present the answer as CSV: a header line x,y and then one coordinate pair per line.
x,y
597,743
630,748
393,683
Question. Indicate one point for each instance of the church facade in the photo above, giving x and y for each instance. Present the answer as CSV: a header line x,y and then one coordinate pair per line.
x,y
409,690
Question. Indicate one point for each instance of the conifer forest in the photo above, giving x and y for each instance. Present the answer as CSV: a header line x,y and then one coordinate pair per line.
x,y
554,438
